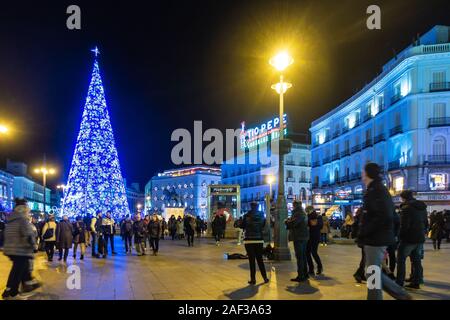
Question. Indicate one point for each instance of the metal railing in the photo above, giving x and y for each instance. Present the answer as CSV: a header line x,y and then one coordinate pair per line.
x,y
439,86
379,138
356,148
396,130
439,159
439,122
367,143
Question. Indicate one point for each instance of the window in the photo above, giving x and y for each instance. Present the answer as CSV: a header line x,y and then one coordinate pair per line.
x,y
290,174
347,144
303,176
368,134
439,110
398,184
290,191
439,77
438,181
439,146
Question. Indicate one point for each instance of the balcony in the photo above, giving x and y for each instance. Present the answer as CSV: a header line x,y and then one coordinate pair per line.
x,y
335,156
344,130
356,148
439,159
367,143
379,138
439,122
290,163
326,160
439,86
396,98
355,176
325,183
367,117
345,153
396,130
336,134
304,180
316,164
394,165
290,179
304,164
345,178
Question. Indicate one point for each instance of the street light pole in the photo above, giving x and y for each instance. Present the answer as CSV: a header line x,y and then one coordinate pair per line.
x,y
281,248
44,171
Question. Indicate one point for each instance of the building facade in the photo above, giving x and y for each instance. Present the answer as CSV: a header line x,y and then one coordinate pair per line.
x,y
400,120
180,191
135,197
6,191
25,187
256,168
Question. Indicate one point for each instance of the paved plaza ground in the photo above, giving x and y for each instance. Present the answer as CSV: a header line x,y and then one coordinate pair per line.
x,y
201,272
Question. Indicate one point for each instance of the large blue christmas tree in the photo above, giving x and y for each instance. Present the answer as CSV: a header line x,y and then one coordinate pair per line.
x,y
95,181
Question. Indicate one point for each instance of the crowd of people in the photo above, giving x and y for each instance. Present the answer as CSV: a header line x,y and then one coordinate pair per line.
x,y
387,236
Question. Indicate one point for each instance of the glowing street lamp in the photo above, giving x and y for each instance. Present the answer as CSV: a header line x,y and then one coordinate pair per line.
x,y
281,250
270,180
44,171
3,129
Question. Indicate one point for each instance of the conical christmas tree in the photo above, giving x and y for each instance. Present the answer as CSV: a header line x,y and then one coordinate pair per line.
x,y
95,181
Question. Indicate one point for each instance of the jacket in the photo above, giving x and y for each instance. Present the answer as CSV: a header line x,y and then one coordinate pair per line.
x,y
253,224
19,235
108,226
79,229
297,225
218,224
154,229
64,235
325,225
315,224
127,227
413,222
138,230
376,226
189,225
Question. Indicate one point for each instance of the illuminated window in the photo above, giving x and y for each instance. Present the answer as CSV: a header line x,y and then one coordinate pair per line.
x,y
438,181
398,184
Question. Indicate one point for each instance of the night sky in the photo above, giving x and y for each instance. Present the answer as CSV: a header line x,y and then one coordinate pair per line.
x,y
167,63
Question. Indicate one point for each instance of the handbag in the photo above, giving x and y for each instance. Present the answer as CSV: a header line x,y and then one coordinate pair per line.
x,y
48,233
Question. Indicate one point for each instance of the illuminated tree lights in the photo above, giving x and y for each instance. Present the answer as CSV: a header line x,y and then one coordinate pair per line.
x,y
95,181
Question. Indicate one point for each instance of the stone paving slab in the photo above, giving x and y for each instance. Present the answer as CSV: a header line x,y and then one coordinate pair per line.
x,y
201,272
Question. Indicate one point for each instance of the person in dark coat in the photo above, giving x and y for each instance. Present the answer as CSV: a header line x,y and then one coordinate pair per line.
x,y
172,225
154,233
189,227
437,227
253,224
413,226
315,224
219,222
79,237
139,235
376,232
126,230
64,237
392,249
163,227
298,228
199,226
360,274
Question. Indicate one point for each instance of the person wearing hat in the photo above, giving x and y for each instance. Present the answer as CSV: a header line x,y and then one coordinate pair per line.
x,y
376,233
49,237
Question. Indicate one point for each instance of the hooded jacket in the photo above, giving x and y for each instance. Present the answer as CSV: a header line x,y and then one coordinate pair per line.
x,y
19,235
413,222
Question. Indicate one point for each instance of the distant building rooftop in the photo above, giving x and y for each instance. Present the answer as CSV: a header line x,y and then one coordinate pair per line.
x,y
190,171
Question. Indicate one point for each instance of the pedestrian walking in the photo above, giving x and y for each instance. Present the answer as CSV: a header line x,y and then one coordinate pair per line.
x,y
108,227
189,227
163,226
253,224
218,223
413,225
19,246
96,223
126,230
315,225
360,274
180,228
297,225
240,232
437,226
49,237
87,234
376,232
198,226
154,233
139,234
79,237
325,230
172,225
348,225
64,238
392,249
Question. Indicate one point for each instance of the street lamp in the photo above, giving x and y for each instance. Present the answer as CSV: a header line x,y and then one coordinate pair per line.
x,y
63,188
3,129
281,250
45,171
270,180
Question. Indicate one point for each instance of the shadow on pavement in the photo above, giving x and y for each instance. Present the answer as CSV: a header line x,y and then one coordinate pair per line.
x,y
326,281
302,288
244,293
438,285
44,296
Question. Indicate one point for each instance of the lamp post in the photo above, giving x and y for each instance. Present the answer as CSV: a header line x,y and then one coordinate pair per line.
x,y
281,250
45,171
62,187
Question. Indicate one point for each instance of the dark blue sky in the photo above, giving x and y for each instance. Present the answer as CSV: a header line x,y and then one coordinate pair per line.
x,y
167,63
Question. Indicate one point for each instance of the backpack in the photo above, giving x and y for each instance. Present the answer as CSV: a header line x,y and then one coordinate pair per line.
x,y
48,233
